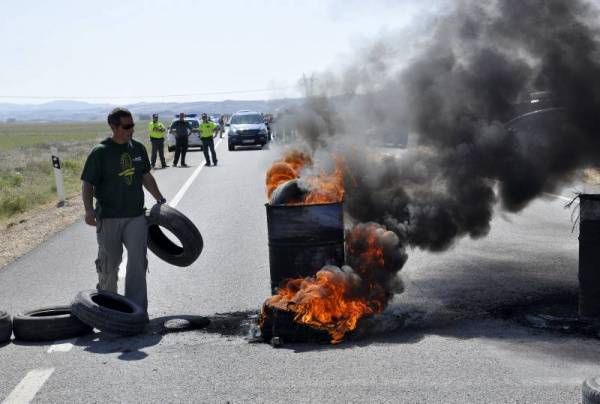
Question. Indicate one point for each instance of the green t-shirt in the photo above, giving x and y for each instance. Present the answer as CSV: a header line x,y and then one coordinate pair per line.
x,y
207,129
116,171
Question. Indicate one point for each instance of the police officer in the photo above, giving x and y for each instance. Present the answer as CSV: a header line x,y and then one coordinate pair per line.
x,y
182,131
207,132
156,130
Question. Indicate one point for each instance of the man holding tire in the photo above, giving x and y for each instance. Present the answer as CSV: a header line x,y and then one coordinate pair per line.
x,y
115,173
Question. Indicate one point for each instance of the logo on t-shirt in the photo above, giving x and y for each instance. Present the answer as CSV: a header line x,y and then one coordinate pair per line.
x,y
127,170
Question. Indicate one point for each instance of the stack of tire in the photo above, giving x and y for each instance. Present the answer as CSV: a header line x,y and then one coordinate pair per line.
x,y
106,311
47,324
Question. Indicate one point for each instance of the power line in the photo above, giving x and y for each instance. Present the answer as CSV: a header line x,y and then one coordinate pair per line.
x,y
64,97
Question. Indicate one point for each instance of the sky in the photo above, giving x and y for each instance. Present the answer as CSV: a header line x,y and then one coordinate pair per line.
x,y
121,51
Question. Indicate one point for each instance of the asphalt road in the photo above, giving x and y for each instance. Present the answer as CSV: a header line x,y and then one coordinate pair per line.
x,y
455,335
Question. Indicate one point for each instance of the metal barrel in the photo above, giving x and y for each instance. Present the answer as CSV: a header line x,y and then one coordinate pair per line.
x,y
304,238
589,255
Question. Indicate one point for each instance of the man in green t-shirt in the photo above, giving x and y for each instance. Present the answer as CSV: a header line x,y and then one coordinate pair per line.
x,y
115,173
207,131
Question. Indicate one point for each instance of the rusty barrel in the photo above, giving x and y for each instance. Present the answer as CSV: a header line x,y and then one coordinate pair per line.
x,y
304,238
589,255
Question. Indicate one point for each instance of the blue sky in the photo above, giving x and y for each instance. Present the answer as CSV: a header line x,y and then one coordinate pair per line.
x,y
126,51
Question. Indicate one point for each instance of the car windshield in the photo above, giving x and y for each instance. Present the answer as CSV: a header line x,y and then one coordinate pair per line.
x,y
248,119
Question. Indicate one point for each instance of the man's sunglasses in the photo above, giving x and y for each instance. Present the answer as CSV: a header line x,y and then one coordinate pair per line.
x,y
127,127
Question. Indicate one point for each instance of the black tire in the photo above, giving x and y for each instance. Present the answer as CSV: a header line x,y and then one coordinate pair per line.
x,y
109,312
590,391
48,324
287,192
186,232
5,327
231,147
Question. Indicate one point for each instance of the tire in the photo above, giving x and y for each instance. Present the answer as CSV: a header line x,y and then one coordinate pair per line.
x,y
231,147
186,232
5,327
48,324
109,312
287,192
171,149
590,390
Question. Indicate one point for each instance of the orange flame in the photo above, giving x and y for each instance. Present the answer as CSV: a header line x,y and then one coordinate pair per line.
x,y
324,188
288,168
336,299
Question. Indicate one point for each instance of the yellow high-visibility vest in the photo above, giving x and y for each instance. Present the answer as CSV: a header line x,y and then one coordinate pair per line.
x,y
207,129
156,130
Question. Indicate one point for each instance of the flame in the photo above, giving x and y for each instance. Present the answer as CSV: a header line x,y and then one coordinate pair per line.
x,y
323,188
288,168
336,299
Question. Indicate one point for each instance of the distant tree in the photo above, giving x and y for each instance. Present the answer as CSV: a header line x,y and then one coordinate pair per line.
x,y
144,117
11,120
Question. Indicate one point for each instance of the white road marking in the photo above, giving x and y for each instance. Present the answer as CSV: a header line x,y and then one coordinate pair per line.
x,y
562,198
123,265
63,347
190,180
29,386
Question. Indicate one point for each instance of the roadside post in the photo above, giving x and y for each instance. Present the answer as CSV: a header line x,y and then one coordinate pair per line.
x,y
58,177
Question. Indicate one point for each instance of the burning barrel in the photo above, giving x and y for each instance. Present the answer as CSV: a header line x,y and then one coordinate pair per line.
x,y
589,258
304,238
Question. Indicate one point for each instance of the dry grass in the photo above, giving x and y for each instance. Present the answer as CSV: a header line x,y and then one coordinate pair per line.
x,y
26,174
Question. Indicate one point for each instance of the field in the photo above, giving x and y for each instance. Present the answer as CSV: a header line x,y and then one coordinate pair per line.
x,y
26,174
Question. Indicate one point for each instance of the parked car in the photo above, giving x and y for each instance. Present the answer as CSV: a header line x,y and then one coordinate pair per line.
x,y
193,140
246,128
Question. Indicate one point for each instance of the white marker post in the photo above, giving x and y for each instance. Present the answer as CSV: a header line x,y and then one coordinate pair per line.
x,y
60,186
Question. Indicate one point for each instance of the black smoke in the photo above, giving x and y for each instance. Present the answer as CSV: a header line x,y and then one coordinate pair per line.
x,y
459,93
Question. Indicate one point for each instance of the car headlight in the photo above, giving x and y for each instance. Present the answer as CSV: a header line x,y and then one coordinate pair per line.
x,y
263,131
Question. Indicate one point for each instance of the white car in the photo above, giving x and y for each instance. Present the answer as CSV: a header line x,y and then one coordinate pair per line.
x,y
193,140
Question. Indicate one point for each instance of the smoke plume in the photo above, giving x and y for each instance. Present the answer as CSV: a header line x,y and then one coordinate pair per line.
x,y
458,94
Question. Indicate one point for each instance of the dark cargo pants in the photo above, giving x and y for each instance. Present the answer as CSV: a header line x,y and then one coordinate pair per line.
x,y
209,144
112,234
158,146
181,146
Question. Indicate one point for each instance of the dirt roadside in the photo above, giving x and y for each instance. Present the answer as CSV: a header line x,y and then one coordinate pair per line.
x,y
23,232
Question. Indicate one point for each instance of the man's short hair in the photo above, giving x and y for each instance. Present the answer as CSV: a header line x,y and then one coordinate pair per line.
x,y
114,118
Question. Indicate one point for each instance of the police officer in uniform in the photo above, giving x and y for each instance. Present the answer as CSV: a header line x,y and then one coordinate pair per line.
x,y
156,130
182,131
207,131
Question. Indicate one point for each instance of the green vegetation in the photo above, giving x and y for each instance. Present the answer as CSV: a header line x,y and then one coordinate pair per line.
x,y
26,175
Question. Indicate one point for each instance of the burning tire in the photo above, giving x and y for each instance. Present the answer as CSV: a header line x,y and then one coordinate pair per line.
x,y
185,231
591,391
287,192
109,312
5,327
48,324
